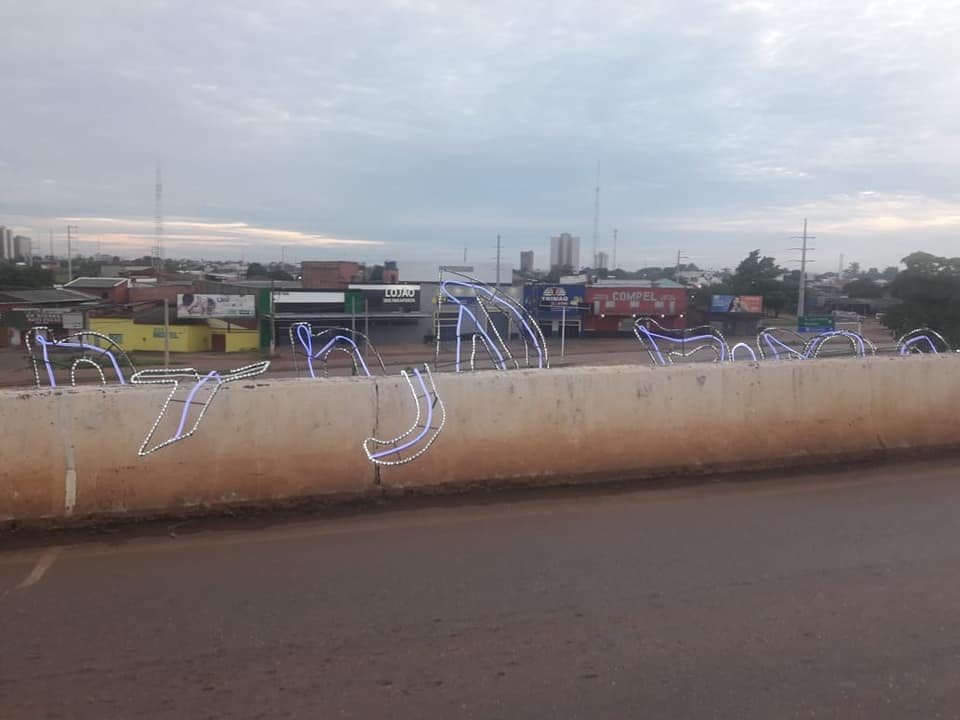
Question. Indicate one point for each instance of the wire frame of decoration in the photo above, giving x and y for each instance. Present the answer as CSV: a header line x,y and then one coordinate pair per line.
x,y
74,352
190,397
922,340
429,419
314,349
478,305
665,345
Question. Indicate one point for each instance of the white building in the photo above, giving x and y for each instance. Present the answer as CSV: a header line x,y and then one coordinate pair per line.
x,y
603,261
7,250
22,247
565,250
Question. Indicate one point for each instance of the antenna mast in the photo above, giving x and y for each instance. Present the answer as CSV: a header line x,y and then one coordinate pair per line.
x,y
157,220
596,217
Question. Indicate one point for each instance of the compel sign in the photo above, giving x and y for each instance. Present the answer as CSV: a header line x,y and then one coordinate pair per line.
x,y
637,301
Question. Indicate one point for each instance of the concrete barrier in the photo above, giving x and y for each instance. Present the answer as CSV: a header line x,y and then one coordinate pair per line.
x,y
73,452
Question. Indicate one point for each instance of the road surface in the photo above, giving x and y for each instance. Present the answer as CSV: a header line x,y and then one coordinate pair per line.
x,y
814,596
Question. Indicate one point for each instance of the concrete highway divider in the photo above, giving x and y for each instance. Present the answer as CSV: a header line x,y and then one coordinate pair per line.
x,y
71,453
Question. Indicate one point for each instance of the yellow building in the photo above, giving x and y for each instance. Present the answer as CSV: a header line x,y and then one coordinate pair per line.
x,y
217,336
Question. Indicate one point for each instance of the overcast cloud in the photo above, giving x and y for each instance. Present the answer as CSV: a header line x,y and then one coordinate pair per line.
x,y
411,129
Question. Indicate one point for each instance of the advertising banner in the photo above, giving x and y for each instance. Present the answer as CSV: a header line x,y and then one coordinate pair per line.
x,y
200,305
736,303
637,301
554,298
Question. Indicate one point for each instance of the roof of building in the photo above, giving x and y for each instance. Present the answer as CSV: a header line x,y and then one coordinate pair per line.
x,y
96,282
47,296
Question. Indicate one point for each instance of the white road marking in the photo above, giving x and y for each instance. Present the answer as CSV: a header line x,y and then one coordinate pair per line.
x,y
44,562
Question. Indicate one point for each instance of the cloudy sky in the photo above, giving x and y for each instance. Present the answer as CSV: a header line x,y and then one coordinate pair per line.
x,y
410,129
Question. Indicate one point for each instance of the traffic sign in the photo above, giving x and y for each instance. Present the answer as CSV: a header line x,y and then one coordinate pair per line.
x,y
816,323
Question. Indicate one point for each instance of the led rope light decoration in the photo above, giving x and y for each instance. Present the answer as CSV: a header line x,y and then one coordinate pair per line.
x,y
79,341
86,361
210,382
331,339
648,340
431,418
768,337
915,339
473,351
742,346
860,345
486,294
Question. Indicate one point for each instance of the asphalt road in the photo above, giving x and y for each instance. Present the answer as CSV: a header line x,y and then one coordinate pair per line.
x,y
816,596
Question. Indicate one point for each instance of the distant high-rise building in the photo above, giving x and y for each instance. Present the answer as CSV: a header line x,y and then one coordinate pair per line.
x,y
603,261
565,250
526,261
6,244
22,247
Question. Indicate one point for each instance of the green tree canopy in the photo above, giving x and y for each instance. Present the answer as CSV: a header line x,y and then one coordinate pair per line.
x,y
929,294
256,270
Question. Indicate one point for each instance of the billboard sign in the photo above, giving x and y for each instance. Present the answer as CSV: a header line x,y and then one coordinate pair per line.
x,y
390,297
558,297
637,300
737,304
202,305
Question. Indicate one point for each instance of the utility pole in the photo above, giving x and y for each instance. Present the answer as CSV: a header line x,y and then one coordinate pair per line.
x,y
166,333
51,243
840,266
70,230
614,249
801,301
464,255
596,217
498,262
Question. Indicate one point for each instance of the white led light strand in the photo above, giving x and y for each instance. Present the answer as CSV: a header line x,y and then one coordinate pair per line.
x,y
430,428
163,376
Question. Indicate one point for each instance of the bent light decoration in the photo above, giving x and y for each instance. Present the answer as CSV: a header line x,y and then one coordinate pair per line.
x,y
459,289
429,421
82,349
702,338
922,340
329,340
768,340
200,391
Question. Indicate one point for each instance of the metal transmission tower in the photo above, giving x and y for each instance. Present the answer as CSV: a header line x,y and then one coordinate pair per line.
x,y
71,230
801,301
596,217
614,249
157,220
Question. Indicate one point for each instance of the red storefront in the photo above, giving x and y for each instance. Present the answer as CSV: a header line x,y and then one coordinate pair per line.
x,y
614,308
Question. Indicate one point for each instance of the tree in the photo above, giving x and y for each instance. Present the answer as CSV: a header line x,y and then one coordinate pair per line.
x,y
929,294
851,271
256,270
376,274
30,277
863,288
890,273
278,274
755,275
